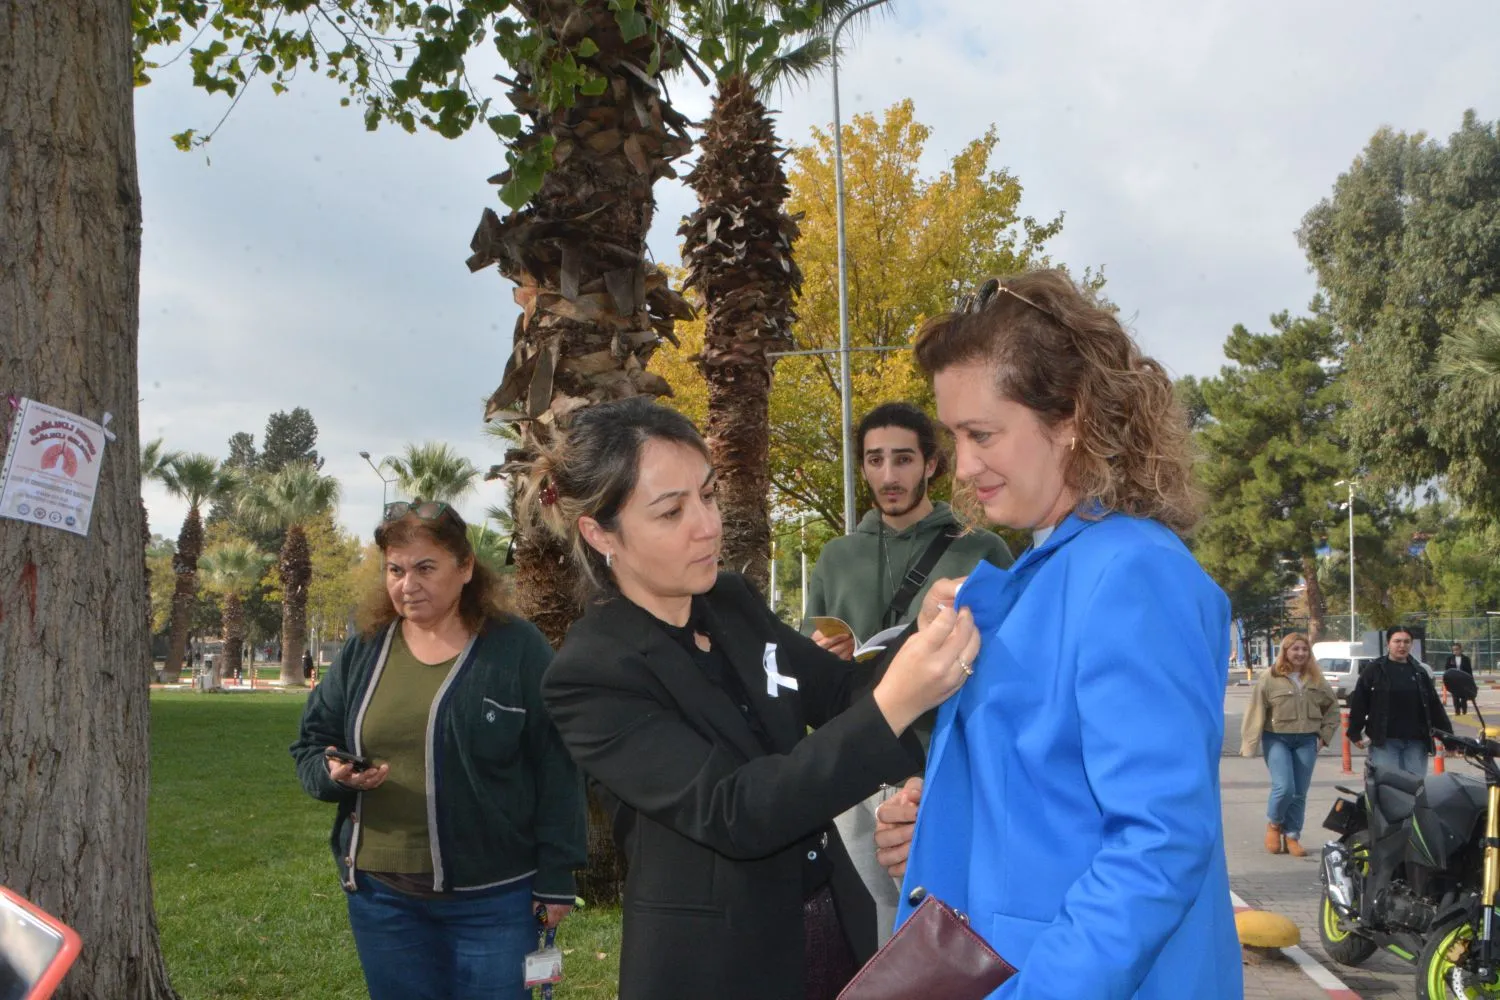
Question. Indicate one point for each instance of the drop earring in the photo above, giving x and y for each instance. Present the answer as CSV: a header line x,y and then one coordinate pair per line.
x,y
609,560
1072,442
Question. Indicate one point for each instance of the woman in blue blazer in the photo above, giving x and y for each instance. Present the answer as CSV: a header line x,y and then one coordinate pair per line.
x,y
1071,805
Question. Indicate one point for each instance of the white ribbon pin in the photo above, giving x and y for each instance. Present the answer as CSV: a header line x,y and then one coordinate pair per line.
x,y
774,677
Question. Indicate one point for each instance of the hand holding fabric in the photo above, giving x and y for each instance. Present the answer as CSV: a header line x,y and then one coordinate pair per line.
x,y
929,668
895,823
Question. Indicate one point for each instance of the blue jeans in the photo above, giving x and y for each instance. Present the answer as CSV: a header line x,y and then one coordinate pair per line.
x,y
1290,758
472,947
1407,755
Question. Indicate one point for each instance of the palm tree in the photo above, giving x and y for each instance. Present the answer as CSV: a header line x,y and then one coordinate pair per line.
x,y
287,501
432,471
232,569
737,249
593,308
489,546
1473,353
197,479
155,460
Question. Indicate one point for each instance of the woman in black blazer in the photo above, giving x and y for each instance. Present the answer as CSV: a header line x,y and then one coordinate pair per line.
x,y
726,739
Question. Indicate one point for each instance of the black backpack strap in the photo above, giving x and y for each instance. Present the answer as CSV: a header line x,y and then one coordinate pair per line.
x,y
917,575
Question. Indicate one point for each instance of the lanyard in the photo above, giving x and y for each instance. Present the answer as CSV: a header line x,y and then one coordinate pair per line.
x,y
547,939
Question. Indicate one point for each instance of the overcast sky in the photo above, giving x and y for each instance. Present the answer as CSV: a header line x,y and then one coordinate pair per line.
x,y
301,261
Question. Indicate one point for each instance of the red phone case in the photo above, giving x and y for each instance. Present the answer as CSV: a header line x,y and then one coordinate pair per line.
x,y
71,945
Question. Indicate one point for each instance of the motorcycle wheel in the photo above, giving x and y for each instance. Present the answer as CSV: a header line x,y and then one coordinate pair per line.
x,y
1342,945
1436,968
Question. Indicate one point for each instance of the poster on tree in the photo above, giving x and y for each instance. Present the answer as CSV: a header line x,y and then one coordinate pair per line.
x,y
51,467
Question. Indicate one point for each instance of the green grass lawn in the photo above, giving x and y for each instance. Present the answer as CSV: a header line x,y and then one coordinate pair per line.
x,y
247,899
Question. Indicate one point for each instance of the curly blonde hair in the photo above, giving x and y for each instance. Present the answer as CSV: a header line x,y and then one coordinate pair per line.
x,y
1056,351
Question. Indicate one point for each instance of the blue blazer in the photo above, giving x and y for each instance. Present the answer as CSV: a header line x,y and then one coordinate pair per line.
x,y
1071,805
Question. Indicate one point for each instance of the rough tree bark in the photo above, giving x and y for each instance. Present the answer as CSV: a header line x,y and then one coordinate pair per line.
x,y
296,574
738,251
73,701
185,591
593,308
1314,594
234,634
146,586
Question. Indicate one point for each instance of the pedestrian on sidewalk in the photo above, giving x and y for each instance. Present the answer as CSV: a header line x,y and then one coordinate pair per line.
x,y
1293,713
1459,661
1396,703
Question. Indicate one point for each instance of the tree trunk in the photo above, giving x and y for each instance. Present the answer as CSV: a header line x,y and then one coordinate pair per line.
x,y
1316,608
593,307
234,634
296,572
146,589
738,251
185,565
544,582
74,741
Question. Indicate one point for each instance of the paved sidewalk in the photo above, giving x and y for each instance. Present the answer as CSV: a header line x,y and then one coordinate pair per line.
x,y
1290,886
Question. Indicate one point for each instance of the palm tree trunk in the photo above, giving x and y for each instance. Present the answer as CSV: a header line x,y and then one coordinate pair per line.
x,y
593,308
1314,592
234,634
296,573
146,589
185,565
738,251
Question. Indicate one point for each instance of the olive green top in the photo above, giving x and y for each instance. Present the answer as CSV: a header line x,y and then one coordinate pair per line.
x,y
393,818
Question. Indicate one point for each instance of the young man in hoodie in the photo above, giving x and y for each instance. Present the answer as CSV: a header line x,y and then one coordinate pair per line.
x,y
877,577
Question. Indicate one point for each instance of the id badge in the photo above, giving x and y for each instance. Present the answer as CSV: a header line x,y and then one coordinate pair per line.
x,y
544,966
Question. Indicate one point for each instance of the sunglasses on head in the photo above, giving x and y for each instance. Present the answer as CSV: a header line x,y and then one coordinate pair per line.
x,y
427,510
978,301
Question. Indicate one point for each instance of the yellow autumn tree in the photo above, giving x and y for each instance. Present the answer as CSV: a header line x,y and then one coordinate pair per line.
x,y
915,243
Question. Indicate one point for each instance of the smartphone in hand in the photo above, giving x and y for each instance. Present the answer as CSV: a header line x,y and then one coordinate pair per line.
x,y
354,760
36,949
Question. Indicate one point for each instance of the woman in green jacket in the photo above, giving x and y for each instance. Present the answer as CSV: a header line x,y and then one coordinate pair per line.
x,y
462,821
1293,713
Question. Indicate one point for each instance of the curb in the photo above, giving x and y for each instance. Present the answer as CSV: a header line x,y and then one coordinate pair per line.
x,y
1326,981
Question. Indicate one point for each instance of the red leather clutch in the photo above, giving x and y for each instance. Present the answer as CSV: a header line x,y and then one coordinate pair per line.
x,y
934,954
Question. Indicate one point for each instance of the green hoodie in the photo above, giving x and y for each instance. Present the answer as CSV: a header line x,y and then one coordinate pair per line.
x,y
857,575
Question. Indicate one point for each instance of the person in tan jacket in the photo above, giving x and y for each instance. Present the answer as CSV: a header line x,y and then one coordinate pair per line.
x,y
1293,712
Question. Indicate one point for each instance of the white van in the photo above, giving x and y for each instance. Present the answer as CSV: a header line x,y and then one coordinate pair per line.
x,y
1341,663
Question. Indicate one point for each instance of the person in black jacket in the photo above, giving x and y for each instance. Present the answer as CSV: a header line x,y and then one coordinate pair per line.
x,y
1396,704
470,820
726,740
1460,661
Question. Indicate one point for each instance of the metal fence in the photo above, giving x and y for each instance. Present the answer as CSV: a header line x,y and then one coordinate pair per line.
x,y
1479,634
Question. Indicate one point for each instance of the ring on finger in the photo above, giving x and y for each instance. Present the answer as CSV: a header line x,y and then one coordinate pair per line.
x,y
963,665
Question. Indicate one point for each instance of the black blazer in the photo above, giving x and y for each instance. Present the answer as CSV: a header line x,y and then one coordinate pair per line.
x,y
1461,662
714,829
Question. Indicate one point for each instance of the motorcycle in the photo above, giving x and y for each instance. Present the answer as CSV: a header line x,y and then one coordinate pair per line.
x,y
1416,869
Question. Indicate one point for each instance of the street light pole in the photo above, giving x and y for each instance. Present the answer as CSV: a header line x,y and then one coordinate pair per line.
x,y
384,482
1350,483
846,389
802,546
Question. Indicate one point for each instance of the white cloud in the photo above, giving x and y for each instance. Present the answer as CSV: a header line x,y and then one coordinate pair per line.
x,y
314,264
